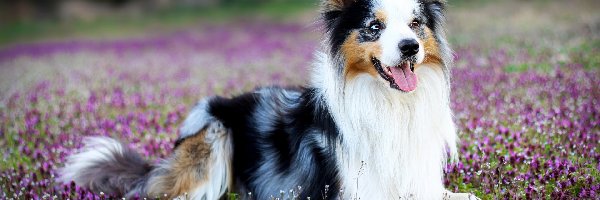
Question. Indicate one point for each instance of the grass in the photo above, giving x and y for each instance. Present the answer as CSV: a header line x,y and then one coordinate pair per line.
x,y
587,53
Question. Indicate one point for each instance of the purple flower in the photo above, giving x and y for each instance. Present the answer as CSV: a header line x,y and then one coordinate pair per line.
x,y
528,134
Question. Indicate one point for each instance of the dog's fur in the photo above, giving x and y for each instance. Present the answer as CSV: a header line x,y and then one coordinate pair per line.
x,y
357,130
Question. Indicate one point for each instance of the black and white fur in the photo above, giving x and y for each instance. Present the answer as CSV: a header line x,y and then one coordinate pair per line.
x,y
357,136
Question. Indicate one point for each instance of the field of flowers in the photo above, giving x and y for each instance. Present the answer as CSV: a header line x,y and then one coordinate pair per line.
x,y
528,118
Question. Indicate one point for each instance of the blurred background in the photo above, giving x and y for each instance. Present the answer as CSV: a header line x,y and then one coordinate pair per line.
x,y
24,21
561,31
27,20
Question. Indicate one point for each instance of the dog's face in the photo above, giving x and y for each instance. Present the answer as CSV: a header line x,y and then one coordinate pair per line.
x,y
385,39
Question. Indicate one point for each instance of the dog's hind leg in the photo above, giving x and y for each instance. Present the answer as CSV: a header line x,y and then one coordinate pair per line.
x,y
198,169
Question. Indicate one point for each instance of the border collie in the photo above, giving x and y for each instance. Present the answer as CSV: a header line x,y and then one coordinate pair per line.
x,y
373,123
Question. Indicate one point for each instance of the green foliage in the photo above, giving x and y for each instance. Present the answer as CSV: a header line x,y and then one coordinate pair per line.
x,y
586,53
170,18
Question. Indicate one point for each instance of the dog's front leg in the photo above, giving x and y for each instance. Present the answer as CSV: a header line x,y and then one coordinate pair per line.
x,y
459,196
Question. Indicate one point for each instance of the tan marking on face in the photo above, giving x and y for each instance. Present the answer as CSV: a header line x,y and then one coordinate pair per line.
x,y
381,16
187,168
358,56
432,50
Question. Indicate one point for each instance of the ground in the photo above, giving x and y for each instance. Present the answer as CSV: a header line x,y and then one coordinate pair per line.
x,y
525,91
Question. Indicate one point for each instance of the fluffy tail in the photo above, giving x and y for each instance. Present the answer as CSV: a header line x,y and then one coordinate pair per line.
x,y
200,167
106,165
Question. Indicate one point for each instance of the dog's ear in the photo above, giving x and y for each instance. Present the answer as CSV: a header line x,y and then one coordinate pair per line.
x,y
435,6
442,2
335,5
434,10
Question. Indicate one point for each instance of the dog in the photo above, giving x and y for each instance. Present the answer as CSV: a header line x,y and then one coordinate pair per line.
x,y
374,122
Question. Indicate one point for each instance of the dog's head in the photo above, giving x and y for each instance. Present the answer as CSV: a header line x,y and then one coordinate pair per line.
x,y
386,39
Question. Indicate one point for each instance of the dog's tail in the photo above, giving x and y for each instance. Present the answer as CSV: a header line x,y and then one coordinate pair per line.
x,y
106,165
198,169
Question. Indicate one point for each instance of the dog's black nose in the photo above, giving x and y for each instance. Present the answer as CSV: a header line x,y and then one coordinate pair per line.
x,y
409,47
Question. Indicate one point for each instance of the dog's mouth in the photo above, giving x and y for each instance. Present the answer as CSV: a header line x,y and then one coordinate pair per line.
x,y
401,77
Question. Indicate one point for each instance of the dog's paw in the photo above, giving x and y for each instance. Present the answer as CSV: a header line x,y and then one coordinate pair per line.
x,y
459,196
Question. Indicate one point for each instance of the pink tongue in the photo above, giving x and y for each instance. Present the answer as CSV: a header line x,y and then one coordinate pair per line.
x,y
404,78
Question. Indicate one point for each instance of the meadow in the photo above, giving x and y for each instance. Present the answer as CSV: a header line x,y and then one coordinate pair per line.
x,y
525,93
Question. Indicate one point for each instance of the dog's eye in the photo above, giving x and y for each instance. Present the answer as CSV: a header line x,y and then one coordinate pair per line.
x,y
415,23
375,27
